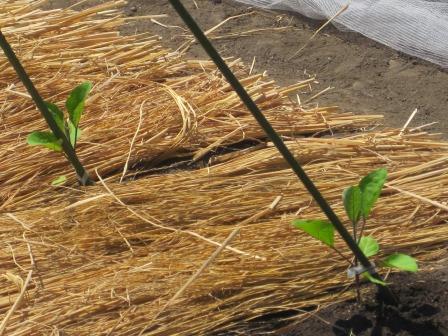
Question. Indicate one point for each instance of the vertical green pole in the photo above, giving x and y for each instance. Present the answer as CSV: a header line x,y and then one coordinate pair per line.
x,y
278,142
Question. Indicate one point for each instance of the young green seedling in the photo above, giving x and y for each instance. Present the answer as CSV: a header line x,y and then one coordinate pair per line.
x,y
69,125
358,202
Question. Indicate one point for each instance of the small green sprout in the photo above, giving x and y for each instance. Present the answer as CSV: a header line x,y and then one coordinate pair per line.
x,y
69,126
358,202
59,180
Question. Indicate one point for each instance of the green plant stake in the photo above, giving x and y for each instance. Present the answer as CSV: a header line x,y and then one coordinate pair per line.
x,y
384,292
358,203
69,126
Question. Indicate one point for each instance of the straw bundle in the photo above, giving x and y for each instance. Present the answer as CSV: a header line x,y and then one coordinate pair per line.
x,y
111,259
184,108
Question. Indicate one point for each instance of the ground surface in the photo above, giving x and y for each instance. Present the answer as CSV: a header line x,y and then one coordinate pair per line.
x,y
423,311
367,77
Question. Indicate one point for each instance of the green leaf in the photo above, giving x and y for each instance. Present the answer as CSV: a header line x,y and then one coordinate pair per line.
x,y
76,100
402,262
59,181
371,186
45,139
373,280
352,198
75,133
369,246
57,115
322,230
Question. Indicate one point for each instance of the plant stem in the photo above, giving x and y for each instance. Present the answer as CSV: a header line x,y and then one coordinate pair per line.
x,y
362,228
82,173
357,282
358,290
341,255
278,142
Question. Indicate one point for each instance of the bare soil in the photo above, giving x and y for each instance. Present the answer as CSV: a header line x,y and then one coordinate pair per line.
x,y
422,311
367,77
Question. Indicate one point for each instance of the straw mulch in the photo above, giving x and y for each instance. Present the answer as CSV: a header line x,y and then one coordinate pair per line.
x,y
116,258
180,108
101,265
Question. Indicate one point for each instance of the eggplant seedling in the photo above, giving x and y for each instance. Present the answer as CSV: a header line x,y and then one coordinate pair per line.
x,y
69,125
358,202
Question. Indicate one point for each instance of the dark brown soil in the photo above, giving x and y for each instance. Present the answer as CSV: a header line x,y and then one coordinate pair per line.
x,y
422,311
